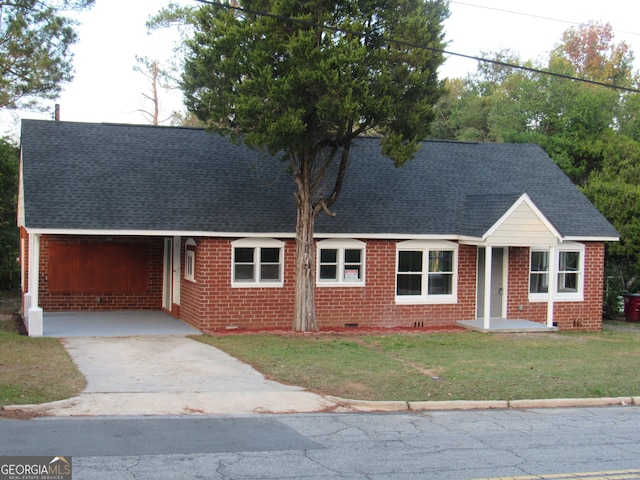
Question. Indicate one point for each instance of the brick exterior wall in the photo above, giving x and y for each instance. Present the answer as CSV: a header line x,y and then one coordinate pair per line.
x,y
211,303
583,316
104,301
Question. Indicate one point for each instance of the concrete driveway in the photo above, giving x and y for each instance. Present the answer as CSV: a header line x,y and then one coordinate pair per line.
x,y
172,374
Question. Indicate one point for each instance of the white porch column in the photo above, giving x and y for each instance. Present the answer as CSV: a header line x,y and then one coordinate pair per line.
x,y
553,283
486,317
177,257
33,312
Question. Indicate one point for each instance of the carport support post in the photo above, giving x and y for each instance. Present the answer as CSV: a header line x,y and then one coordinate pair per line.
x,y
486,319
553,282
33,312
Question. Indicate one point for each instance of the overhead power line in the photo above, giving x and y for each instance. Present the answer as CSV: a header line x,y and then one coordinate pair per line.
x,y
403,43
530,15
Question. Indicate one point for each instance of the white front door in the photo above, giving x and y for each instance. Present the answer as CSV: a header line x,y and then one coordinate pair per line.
x,y
498,280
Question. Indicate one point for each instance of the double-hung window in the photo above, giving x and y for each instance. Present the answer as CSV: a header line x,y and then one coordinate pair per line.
x,y
257,263
569,266
340,263
190,260
539,273
426,272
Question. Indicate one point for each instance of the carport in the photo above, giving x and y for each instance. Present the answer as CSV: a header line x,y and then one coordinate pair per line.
x,y
114,324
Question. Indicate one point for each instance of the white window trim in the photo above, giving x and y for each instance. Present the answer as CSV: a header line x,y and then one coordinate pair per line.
x,y
257,243
561,296
190,255
425,246
341,244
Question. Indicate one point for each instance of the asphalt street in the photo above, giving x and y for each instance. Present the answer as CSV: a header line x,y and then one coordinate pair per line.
x,y
595,443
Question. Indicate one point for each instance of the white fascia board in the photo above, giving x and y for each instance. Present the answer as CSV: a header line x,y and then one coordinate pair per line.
x,y
590,239
524,198
153,233
169,233
388,236
466,240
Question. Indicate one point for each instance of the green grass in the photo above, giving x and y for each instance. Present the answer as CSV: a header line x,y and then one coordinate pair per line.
x,y
455,366
410,367
34,370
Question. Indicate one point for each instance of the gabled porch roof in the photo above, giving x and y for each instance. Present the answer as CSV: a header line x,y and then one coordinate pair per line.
x,y
507,220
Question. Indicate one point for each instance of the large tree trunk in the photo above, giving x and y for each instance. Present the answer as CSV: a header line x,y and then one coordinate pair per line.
x,y
304,315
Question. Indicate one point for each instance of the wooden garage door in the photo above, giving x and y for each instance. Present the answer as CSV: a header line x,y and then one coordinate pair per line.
x,y
98,268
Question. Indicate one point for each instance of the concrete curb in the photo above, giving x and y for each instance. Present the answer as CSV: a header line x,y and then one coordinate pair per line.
x,y
42,408
460,405
69,406
572,402
368,405
394,406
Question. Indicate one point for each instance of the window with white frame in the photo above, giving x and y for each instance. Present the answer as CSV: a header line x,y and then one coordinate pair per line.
x,y
539,272
190,260
570,273
257,262
340,262
426,272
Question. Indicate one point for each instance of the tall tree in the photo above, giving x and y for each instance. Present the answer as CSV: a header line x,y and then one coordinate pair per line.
x,y
591,132
615,191
35,56
159,78
273,77
9,235
590,49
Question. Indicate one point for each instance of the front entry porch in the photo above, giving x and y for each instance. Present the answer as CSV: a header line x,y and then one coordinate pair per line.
x,y
503,325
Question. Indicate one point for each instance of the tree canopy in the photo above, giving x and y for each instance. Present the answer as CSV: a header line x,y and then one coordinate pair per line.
x,y
9,234
592,132
304,79
35,57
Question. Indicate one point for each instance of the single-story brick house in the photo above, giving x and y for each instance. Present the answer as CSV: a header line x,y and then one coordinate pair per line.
x,y
131,217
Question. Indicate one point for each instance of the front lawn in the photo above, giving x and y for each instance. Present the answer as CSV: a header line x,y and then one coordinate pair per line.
x,y
34,370
447,366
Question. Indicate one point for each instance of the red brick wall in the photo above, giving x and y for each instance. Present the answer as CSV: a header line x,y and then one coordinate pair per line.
x,y
375,305
104,301
211,303
585,316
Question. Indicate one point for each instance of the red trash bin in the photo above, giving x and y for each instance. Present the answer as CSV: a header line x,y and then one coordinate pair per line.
x,y
632,307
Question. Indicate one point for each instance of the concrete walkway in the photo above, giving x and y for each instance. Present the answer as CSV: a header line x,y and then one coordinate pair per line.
x,y
171,375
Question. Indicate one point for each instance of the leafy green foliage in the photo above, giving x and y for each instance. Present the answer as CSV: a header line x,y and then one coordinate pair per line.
x,y
295,87
9,233
35,57
591,132
615,191
305,78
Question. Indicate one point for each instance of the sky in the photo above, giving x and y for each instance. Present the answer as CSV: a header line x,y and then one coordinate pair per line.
x,y
113,32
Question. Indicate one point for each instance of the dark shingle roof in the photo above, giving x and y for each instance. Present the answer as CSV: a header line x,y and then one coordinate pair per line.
x,y
134,177
481,212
